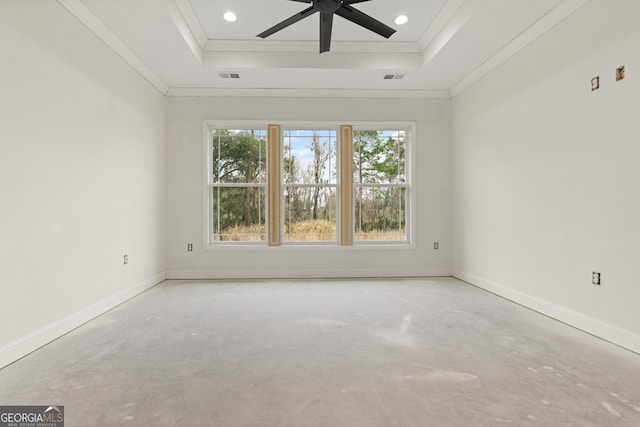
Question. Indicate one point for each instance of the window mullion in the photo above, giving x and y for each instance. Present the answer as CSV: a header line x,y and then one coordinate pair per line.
x,y
274,157
346,185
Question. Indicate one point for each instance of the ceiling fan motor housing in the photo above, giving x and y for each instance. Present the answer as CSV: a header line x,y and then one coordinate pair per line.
x,y
327,6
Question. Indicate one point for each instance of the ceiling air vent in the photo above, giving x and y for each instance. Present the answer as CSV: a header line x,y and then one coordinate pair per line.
x,y
229,75
394,76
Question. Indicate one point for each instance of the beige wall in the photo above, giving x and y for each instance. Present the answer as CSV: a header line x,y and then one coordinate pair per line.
x,y
186,183
545,174
81,177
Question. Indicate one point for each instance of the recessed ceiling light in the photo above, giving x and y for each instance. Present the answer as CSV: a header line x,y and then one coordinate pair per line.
x,y
230,17
402,19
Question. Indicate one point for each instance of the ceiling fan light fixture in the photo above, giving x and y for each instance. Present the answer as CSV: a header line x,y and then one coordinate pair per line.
x,y
402,19
230,16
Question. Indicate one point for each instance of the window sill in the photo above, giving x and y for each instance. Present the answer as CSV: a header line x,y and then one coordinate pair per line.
x,y
323,247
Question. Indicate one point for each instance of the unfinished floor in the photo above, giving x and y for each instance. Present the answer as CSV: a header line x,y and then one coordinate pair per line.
x,y
424,352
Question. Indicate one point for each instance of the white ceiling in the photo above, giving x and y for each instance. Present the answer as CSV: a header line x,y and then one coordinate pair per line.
x,y
181,46
256,16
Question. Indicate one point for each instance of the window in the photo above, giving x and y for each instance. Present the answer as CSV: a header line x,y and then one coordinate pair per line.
x,y
380,185
309,185
277,185
237,185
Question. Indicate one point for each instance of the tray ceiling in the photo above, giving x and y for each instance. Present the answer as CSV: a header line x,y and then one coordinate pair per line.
x,y
182,46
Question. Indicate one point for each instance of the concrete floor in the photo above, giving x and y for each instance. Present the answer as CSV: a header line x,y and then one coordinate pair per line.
x,y
421,352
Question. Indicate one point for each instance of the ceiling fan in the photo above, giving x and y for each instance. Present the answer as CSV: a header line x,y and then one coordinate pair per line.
x,y
327,8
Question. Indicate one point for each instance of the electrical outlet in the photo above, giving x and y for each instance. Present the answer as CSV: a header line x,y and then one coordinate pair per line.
x,y
126,259
595,278
190,247
436,245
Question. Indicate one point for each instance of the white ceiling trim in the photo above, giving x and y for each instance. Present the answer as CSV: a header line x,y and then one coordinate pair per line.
x,y
447,13
192,21
311,93
84,15
448,31
405,53
313,60
536,30
310,46
185,31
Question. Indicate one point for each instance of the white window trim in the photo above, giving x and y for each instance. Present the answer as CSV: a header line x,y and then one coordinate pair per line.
x,y
408,245
310,126
410,129
209,127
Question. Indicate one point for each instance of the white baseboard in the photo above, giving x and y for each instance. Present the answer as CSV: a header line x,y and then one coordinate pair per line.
x,y
19,348
613,334
307,274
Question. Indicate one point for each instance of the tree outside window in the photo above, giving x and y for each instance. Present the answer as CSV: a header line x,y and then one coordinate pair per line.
x,y
311,194
380,185
238,185
309,185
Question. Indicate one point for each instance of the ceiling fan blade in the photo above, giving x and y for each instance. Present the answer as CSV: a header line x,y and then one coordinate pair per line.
x,y
364,20
349,1
326,26
284,24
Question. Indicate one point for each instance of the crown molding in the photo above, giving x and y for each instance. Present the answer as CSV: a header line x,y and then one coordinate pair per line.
x,y
192,22
185,31
443,18
309,93
406,53
78,9
310,46
536,30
